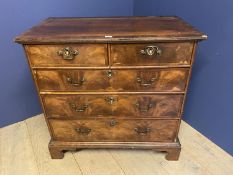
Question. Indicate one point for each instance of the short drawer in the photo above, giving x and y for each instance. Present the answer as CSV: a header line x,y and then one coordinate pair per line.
x,y
152,54
67,55
83,106
113,80
88,130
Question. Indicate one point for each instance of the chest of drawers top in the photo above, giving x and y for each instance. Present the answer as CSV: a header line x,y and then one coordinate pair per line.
x,y
110,30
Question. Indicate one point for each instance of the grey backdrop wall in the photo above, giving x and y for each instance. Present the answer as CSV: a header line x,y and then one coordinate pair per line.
x,y
209,105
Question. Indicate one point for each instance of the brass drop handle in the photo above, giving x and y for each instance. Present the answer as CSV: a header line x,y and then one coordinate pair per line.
x,y
112,123
148,107
110,100
78,109
83,130
142,130
151,50
74,82
68,53
146,83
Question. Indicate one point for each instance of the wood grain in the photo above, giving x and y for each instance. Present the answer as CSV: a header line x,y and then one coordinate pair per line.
x,y
169,80
97,162
213,158
123,29
97,80
16,152
123,130
138,162
40,138
116,82
56,80
82,106
47,55
171,54
185,165
199,155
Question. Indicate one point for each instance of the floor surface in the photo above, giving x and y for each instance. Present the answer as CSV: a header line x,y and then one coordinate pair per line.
x,y
24,151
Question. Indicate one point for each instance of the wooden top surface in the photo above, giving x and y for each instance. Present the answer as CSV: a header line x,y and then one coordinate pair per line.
x,y
114,29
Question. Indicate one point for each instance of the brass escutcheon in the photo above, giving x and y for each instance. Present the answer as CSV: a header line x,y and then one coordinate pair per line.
x,y
112,123
109,73
111,100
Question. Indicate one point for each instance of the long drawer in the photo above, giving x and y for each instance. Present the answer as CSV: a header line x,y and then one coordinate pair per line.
x,y
111,130
171,80
83,106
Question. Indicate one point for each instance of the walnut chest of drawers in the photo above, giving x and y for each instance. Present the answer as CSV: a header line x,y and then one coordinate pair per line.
x,y
112,82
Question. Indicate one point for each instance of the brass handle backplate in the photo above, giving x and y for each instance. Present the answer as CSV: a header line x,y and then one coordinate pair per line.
x,y
142,130
151,50
78,109
68,53
141,109
146,82
83,130
74,82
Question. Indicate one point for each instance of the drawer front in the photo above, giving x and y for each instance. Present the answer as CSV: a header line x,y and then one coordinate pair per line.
x,y
72,80
81,106
149,80
67,55
116,80
151,54
114,130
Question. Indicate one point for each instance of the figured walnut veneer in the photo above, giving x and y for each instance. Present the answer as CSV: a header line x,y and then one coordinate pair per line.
x,y
121,80
172,54
146,106
112,82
